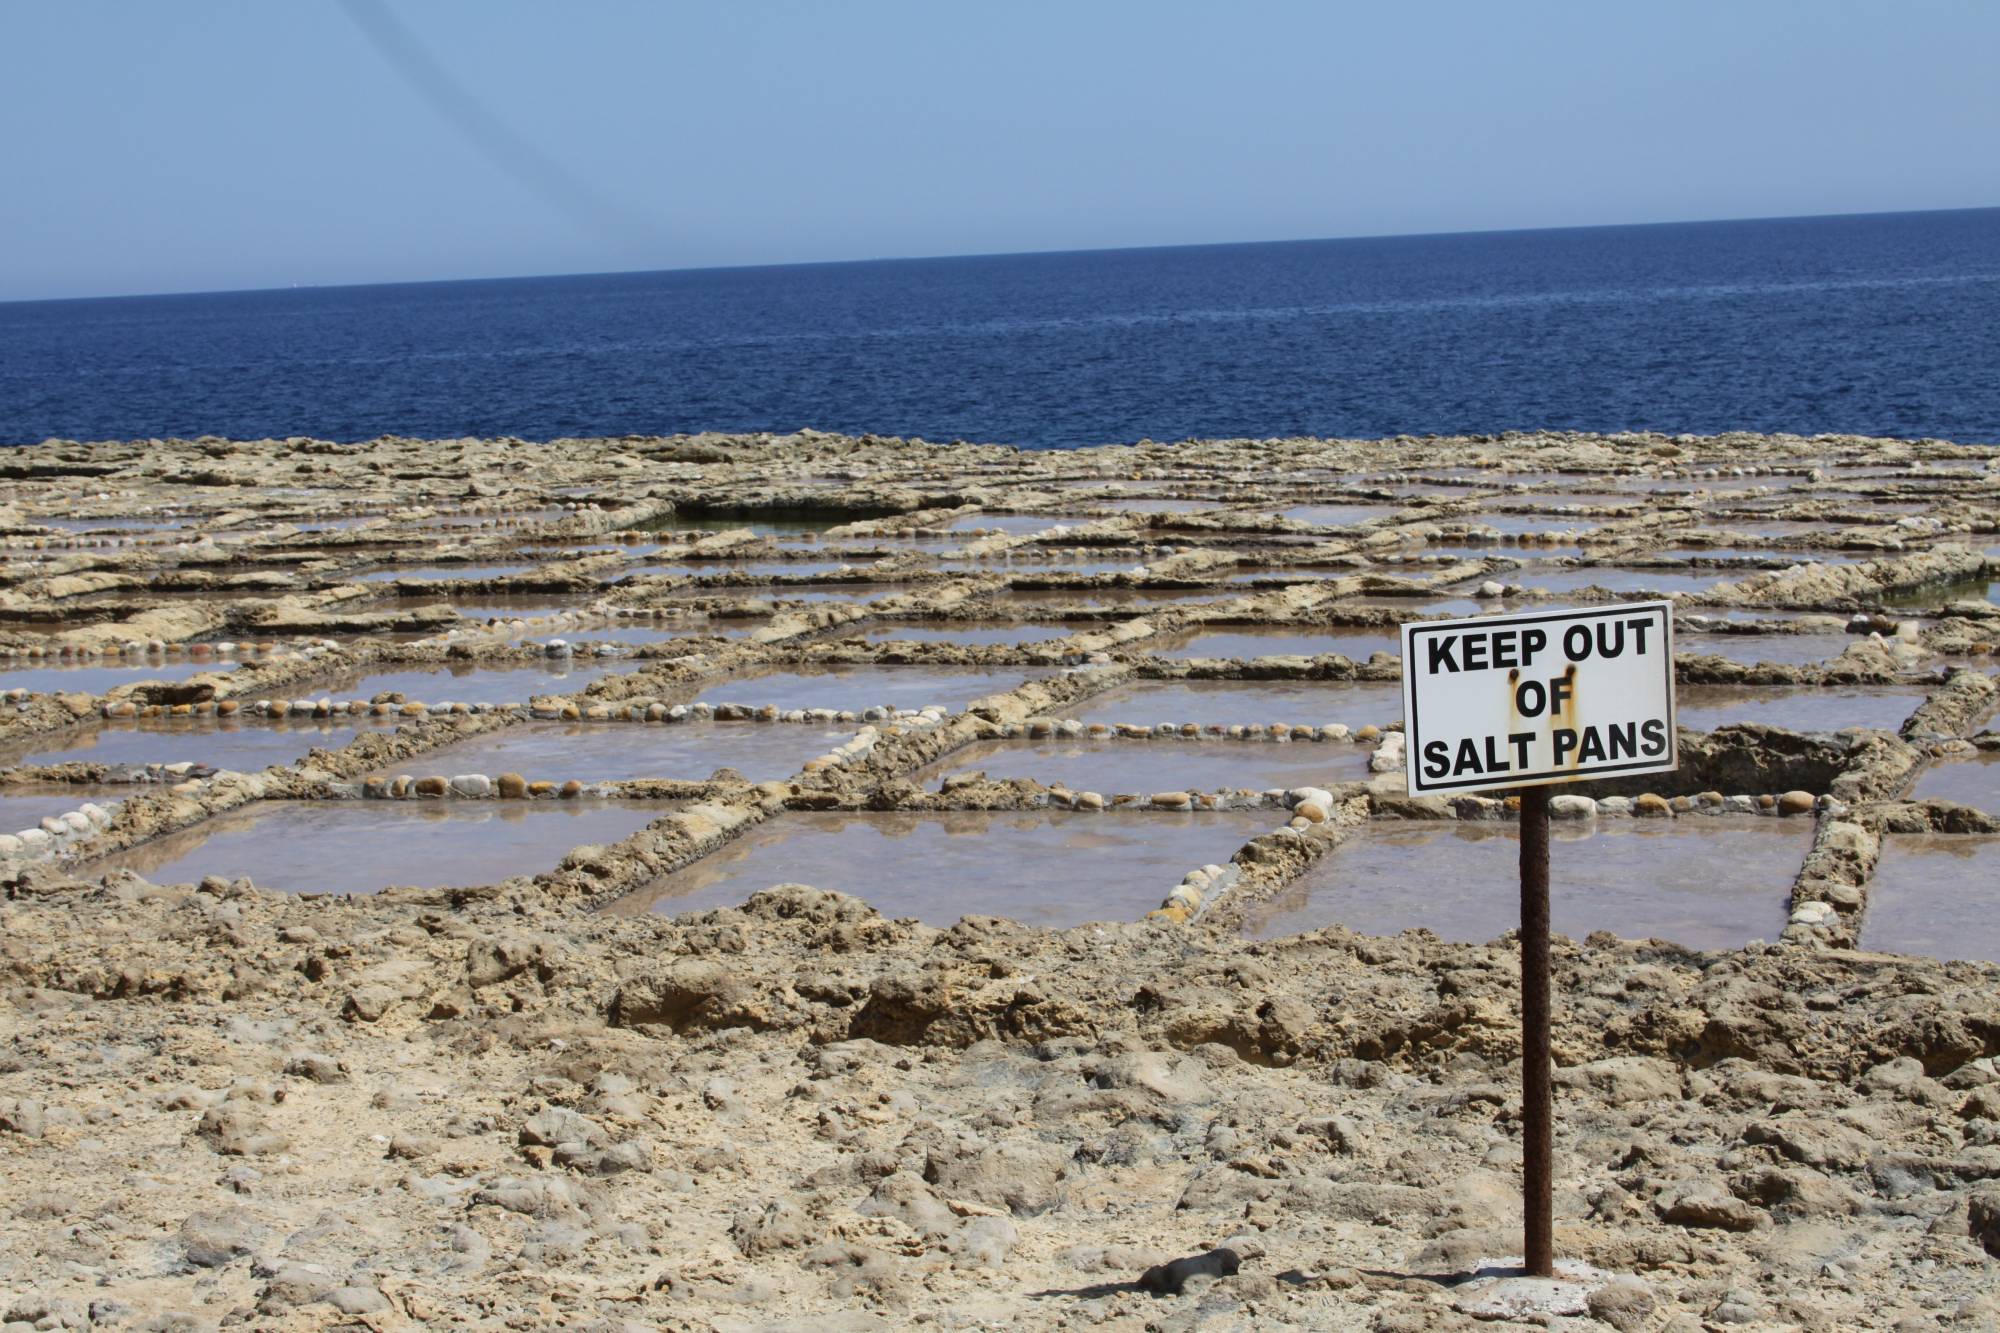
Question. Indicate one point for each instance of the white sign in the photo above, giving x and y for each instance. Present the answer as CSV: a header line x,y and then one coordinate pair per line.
x,y
1539,698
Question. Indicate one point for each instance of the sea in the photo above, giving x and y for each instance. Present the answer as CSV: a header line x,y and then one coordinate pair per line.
x,y
1884,324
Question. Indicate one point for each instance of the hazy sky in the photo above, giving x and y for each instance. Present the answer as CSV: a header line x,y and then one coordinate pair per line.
x,y
209,144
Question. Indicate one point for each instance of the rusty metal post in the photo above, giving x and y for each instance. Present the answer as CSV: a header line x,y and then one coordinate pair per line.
x,y
1537,1060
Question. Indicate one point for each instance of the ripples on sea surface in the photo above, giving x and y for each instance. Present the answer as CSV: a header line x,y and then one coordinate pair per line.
x,y
1872,324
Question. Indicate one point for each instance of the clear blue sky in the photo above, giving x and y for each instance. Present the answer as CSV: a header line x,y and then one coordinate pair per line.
x,y
212,144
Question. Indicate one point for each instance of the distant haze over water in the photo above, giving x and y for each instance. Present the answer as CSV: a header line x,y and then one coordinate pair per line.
x,y
1881,325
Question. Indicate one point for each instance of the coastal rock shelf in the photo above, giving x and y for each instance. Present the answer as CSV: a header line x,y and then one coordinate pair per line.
x,y
410,916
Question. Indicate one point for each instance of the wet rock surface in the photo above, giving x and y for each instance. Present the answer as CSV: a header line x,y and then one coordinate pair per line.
x,y
225,1103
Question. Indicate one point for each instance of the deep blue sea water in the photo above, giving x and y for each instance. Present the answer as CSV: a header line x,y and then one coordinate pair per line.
x,y
1885,324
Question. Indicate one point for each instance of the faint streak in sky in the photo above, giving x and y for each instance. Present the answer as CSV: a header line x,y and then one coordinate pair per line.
x,y
490,136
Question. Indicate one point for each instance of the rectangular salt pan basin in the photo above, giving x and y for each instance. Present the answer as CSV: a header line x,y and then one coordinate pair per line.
x,y
759,569
1935,894
26,807
518,608
1357,644
98,678
1517,524
244,746
646,631
1113,596
1783,649
1706,883
1417,608
469,685
762,527
1481,550
355,847
1310,703
1799,708
1032,568
438,573
1049,868
1611,579
1141,767
1583,499
859,688
968,634
828,592
1336,515
1972,781
619,752
1011,524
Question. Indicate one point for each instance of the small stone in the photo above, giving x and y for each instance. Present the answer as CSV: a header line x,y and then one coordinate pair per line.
x,y
512,786
1796,803
1570,806
1651,805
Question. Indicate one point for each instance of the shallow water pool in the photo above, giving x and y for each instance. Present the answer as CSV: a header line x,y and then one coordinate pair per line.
x,y
355,847
1973,781
98,677
1142,767
970,634
624,751
862,687
1936,894
1247,642
438,573
1049,868
242,745
1801,708
1309,703
26,807
467,684
1707,883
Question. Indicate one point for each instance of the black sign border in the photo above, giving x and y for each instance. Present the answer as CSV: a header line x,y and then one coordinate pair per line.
x,y
1418,787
